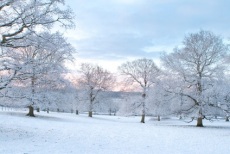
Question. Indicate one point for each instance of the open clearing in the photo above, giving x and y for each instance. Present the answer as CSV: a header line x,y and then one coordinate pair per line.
x,y
60,133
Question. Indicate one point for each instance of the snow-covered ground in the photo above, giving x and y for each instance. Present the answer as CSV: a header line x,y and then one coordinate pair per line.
x,y
64,133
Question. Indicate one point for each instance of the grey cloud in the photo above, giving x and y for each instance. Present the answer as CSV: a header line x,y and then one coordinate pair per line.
x,y
119,29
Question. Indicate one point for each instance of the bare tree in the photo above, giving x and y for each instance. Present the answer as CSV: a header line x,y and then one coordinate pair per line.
x,y
21,18
94,79
21,21
159,100
197,64
142,72
41,65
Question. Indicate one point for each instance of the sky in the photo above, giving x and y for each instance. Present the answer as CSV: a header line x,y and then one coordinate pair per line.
x,y
111,32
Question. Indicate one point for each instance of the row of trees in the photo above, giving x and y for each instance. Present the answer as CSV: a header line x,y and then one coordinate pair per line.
x,y
193,80
194,77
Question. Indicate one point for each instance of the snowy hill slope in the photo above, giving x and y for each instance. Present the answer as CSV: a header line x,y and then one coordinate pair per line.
x,y
60,133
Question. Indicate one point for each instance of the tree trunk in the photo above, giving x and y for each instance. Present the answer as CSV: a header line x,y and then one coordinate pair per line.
x,y
200,118
227,119
31,111
90,113
143,106
199,122
158,118
92,97
76,112
143,118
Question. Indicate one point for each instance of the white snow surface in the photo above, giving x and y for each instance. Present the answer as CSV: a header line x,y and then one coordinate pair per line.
x,y
64,133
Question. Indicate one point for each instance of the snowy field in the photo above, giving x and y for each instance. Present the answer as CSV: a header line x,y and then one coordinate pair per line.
x,y
64,133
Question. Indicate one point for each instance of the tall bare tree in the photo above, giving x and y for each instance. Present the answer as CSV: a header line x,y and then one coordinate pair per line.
x,y
197,64
142,72
21,20
94,79
41,64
